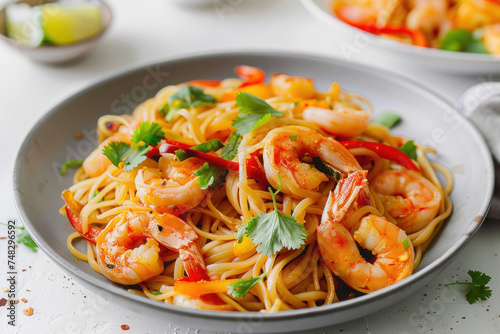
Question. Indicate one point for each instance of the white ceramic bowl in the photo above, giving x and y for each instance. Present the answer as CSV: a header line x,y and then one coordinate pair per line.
x,y
57,54
427,118
413,56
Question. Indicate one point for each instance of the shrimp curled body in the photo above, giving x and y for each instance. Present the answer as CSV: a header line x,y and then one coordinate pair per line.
x,y
283,153
173,189
412,200
128,249
388,243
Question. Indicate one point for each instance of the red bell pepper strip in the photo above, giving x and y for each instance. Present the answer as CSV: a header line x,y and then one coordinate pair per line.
x,y
418,37
91,234
253,172
251,75
204,83
496,2
384,151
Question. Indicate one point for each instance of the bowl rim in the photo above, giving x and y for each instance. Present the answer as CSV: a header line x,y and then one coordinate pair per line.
x,y
117,289
107,23
329,18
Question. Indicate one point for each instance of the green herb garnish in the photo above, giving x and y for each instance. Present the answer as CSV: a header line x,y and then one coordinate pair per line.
x,y
477,288
240,288
71,164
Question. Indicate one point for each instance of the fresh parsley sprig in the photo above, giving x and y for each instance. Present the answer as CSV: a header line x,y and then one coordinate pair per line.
x,y
240,288
186,97
477,287
273,231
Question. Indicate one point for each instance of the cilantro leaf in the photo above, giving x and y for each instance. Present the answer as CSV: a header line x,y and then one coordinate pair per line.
x,y
409,149
25,238
136,157
149,133
477,288
273,231
70,163
232,145
190,97
240,288
116,152
254,112
210,176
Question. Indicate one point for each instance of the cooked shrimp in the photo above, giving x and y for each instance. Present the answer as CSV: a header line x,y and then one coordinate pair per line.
x,y
491,38
342,120
366,11
128,248
290,87
427,15
97,163
473,14
388,243
412,200
283,153
173,189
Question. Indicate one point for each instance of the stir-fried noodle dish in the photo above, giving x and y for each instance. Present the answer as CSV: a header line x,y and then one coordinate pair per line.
x,y
452,25
242,195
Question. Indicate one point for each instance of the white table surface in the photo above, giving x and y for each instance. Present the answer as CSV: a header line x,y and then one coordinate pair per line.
x,y
150,30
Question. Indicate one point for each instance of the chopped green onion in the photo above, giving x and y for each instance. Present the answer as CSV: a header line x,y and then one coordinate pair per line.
x,y
327,169
406,243
70,163
97,193
294,138
211,145
387,119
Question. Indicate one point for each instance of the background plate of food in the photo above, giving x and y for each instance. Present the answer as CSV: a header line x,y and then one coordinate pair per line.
x,y
462,37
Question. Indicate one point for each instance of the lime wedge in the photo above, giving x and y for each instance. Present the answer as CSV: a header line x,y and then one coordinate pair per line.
x,y
70,23
24,25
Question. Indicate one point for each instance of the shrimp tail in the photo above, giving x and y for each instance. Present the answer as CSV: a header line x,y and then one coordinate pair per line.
x,y
174,233
353,188
193,263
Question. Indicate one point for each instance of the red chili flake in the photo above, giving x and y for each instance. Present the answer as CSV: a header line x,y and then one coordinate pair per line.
x,y
125,327
3,302
78,136
1,238
24,300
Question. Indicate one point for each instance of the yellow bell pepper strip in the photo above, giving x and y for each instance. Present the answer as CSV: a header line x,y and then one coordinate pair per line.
x,y
261,90
244,247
